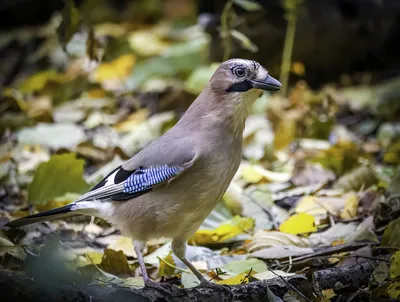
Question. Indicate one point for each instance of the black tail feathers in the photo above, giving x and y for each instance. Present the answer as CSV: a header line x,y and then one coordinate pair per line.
x,y
57,213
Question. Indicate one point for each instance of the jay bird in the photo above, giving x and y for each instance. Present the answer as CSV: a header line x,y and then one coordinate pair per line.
x,y
168,188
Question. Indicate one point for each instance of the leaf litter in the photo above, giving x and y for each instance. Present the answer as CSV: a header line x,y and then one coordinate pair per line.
x,y
309,187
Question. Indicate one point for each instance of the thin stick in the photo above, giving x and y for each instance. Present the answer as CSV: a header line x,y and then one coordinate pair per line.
x,y
291,286
173,266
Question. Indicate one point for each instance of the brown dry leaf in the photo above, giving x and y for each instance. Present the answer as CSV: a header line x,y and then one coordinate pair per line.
x,y
115,262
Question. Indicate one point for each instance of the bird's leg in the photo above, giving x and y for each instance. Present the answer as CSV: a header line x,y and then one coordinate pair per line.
x,y
139,247
163,287
179,249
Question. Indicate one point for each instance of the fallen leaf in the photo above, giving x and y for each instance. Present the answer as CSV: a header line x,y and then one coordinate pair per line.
x,y
112,75
147,42
299,224
166,266
393,290
351,207
49,180
69,24
244,266
394,269
265,239
390,237
115,262
238,279
361,177
270,275
281,251
230,229
381,272
256,173
55,136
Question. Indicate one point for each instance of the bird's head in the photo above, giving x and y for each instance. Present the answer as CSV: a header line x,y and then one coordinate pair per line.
x,y
242,76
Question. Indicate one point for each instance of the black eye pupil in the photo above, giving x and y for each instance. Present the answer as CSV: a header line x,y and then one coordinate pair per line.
x,y
240,72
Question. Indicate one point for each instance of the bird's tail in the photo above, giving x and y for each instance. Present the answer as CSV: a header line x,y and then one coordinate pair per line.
x,y
62,212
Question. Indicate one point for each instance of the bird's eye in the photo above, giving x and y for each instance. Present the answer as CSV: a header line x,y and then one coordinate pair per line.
x,y
240,72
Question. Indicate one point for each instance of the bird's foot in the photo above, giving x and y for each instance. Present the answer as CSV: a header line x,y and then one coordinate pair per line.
x,y
163,287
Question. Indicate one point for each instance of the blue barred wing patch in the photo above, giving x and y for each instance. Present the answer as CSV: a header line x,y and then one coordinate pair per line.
x,y
145,178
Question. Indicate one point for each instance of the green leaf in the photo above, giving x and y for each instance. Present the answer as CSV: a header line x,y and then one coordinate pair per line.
x,y
390,236
69,24
243,266
244,41
250,6
60,175
199,78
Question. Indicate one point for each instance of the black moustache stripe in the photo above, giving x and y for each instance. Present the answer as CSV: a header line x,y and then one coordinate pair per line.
x,y
240,87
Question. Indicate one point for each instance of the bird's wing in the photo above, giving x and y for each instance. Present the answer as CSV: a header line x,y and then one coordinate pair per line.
x,y
144,172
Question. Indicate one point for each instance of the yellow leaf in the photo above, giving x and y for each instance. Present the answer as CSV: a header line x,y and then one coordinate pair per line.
x,y
394,270
124,244
147,43
119,69
166,267
298,68
132,121
115,262
239,279
250,175
96,93
285,133
393,290
350,207
37,81
309,205
328,294
238,225
298,224
94,257
256,173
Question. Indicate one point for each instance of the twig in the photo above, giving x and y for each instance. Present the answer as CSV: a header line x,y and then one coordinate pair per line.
x,y
80,289
291,13
290,285
218,273
248,275
225,30
173,266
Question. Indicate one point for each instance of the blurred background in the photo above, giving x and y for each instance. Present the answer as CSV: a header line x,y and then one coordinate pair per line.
x,y
86,84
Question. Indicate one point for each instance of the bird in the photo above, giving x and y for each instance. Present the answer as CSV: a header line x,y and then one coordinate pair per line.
x,y
168,188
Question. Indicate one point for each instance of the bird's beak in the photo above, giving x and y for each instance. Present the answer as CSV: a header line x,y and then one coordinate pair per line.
x,y
268,84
